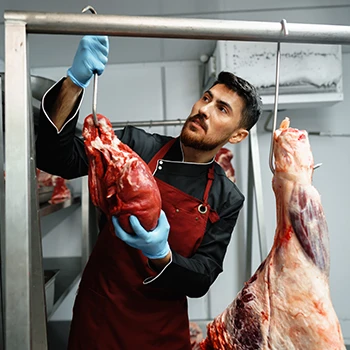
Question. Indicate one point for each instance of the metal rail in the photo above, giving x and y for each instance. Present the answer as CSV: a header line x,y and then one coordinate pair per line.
x,y
185,28
20,223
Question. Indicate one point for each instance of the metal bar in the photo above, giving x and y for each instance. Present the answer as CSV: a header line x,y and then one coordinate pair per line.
x,y
17,276
259,203
250,208
89,222
2,214
37,296
184,28
254,187
149,123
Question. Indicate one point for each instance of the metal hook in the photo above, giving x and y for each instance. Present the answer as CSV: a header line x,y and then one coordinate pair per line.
x,y
94,98
277,82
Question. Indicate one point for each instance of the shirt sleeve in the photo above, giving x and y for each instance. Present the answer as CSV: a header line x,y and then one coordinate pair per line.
x,y
193,276
60,152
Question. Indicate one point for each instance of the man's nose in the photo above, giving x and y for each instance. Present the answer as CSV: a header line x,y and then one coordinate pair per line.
x,y
205,110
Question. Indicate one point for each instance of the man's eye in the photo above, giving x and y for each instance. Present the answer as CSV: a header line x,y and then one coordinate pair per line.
x,y
205,98
223,109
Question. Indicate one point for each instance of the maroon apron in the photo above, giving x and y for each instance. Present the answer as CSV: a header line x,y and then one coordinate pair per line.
x,y
113,309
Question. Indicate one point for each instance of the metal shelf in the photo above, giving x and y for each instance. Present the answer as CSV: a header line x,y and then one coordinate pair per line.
x,y
69,274
47,208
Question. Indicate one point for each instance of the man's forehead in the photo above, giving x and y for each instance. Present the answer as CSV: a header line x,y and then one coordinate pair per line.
x,y
222,92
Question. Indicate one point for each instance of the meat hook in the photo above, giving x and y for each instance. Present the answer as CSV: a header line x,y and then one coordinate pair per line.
x,y
94,98
277,82
275,110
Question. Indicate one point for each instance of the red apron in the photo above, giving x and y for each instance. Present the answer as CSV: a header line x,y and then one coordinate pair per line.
x,y
113,309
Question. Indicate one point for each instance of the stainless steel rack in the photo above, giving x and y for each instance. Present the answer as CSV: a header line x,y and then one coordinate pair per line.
x,y
22,265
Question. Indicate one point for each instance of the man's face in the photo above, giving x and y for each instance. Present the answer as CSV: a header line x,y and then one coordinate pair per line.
x,y
214,118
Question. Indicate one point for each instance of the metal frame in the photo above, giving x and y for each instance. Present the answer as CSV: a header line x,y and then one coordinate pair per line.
x,y
21,226
2,214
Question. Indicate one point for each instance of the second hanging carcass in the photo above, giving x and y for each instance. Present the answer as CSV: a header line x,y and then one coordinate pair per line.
x,y
286,304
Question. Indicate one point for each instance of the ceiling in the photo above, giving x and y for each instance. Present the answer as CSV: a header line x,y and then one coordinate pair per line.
x,y
58,50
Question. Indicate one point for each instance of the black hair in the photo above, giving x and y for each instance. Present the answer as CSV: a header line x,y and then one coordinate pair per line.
x,y
253,104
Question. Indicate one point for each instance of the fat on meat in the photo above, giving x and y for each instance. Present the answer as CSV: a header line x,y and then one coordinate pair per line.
x,y
120,182
286,304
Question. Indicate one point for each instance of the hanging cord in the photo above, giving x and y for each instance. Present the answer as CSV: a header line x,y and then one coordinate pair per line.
x,y
277,82
94,98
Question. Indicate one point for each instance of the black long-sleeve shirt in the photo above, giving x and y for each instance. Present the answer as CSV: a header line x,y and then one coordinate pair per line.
x,y
62,153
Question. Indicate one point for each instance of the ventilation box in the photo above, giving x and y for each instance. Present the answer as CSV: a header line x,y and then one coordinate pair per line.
x,y
310,74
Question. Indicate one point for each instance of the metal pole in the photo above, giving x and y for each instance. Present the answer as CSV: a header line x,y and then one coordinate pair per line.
x,y
259,203
250,208
145,123
89,222
185,28
2,216
17,276
254,187
37,296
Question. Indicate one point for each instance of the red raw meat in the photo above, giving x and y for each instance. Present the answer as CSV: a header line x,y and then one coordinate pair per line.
x,y
60,192
45,179
224,157
286,304
120,182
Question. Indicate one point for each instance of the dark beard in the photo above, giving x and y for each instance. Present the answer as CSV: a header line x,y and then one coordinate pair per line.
x,y
190,141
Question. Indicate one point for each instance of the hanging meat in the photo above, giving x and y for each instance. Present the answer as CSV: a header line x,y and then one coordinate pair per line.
x,y
60,192
286,304
120,182
51,188
224,158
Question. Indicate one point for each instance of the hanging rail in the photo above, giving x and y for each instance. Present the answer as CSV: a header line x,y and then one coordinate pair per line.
x,y
186,28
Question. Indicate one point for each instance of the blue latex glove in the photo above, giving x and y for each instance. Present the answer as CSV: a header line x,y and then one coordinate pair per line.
x,y
153,244
91,57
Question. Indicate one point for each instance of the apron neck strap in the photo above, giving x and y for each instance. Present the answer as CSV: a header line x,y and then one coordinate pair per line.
x,y
163,151
160,154
209,183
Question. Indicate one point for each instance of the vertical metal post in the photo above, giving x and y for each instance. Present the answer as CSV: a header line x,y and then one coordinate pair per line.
x,y
2,215
89,222
18,220
250,208
23,280
255,187
38,304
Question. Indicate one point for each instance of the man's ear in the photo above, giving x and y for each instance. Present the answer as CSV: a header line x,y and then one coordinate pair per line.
x,y
238,136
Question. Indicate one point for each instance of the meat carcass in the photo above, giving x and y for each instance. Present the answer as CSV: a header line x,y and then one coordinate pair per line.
x,y
286,304
120,182
224,157
54,185
60,192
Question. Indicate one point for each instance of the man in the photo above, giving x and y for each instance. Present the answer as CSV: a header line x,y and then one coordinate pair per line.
x,y
133,290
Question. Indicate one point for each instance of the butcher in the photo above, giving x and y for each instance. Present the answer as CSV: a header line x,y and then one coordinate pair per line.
x,y
134,289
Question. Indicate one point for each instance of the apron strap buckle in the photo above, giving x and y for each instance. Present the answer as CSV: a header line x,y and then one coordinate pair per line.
x,y
202,208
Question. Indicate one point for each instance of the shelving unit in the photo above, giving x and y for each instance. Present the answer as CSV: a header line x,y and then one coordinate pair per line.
x,y
69,268
47,208
69,274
